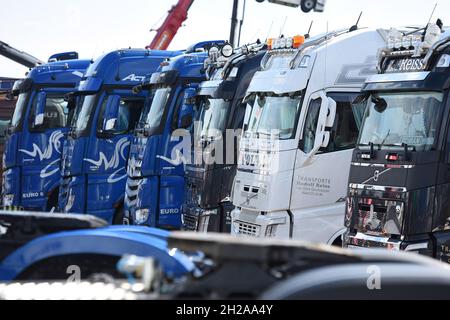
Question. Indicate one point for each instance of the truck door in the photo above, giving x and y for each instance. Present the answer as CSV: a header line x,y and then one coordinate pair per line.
x,y
108,150
47,123
329,136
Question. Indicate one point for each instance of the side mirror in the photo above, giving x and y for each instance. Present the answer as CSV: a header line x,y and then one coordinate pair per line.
x,y
186,116
111,113
326,120
40,109
380,104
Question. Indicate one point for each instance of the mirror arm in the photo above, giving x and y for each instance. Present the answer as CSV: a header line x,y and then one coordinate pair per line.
x,y
310,155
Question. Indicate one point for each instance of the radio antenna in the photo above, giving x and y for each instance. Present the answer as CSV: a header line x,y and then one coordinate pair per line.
x,y
432,13
429,20
270,30
355,27
307,36
282,28
326,56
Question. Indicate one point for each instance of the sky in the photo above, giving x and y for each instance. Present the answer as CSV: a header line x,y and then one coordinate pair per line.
x,y
93,27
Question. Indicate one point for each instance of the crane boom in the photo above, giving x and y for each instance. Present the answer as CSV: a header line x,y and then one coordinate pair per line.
x,y
20,57
165,34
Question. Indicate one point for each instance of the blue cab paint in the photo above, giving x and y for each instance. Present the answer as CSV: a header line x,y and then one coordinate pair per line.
x,y
109,241
33,148
155,186
96,151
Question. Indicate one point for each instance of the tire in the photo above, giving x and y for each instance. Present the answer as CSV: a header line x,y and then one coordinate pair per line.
x,y
53,201
308,5
118,216
338,242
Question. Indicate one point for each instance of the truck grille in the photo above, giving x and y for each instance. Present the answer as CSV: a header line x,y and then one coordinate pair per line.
x,y
378,217
134,168
361,241
64,190
247,229
131,193
190,222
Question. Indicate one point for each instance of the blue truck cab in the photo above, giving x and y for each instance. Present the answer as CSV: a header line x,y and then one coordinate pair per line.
x,y
96,151
155,186
31,161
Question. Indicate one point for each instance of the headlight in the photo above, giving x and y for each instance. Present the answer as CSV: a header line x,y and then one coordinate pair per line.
x,y
8,200
141,216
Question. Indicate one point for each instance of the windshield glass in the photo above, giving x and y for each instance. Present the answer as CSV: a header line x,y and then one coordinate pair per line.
x,y
213,116
19,111
154,109
273,115
83,113
56,110
395,119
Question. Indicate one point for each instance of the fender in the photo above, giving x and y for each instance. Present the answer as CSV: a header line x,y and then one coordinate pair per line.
x,y
336,236
114,241
153,232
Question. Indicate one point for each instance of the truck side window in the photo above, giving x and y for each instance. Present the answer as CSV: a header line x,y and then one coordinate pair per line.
x,y
309,133
239,116
176,111
345,130
56,111
129,113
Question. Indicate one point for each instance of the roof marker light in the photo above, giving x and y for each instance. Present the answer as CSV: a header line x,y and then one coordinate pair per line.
x,y
298,41
285,43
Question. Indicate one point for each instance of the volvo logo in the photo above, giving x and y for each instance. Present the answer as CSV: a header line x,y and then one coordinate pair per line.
x,y
376,175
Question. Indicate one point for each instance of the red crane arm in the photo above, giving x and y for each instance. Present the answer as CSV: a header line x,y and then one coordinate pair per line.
x,y
165,34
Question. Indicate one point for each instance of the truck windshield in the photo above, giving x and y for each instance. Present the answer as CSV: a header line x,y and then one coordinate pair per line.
x,y
396,119
19,111
154,108
83,113
213,116
56,111
273,115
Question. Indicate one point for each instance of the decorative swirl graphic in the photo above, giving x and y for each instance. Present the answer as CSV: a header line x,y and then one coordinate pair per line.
x,y
114,162
54,144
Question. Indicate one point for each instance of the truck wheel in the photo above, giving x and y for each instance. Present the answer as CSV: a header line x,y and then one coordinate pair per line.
x,y
338,242
308,5
52,202
118,216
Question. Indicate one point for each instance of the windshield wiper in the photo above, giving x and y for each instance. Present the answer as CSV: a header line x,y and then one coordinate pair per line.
x,y
383,143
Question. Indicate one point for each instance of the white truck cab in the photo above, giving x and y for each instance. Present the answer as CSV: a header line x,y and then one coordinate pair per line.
x,y
300,130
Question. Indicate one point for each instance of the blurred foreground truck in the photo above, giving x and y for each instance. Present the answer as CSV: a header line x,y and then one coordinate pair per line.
x,y
39,261
35,137
399,189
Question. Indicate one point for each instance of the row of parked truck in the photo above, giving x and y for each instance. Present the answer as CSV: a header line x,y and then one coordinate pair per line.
x,y
340,138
